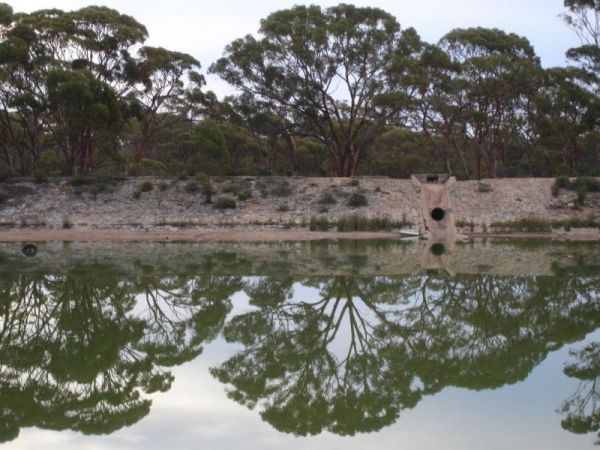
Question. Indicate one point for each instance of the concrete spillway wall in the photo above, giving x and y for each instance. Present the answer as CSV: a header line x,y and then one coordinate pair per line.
x,y
171,204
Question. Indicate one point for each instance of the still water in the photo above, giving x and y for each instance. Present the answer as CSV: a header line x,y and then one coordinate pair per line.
x,y
315,345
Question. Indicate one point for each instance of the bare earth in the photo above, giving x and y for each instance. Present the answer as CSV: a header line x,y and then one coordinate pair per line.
x,y
242,236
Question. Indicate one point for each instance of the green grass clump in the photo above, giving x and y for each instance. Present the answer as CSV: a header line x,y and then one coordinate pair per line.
x,y
5,174
244,194
588,183
581,195
232,188
522,225
66,223
357,222
262,188
282,189
225,203
79,180
146,186
327,198
191,187
357,200
40,178
319,224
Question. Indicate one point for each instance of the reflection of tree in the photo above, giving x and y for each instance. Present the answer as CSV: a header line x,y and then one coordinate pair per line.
x,y
78,350
582,410
351,360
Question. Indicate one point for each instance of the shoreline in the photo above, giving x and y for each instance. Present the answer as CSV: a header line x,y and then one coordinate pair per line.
x,y
254,235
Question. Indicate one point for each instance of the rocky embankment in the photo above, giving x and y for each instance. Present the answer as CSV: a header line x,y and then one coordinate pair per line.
x,y
272,203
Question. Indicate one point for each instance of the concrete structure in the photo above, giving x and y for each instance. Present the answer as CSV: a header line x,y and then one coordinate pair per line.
x,y
437,220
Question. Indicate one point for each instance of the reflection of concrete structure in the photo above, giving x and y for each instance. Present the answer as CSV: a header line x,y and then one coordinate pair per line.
x,y
437,220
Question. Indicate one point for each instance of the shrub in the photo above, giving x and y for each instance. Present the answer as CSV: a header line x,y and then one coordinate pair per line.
x,y
581,195
207,188
527,225
225,203
97,189
282,189
66,223
262,188
137,195
484,188
79,180
232,188
327,198
319,224
192,187
357,200
39,178
244,194
146,186
5,174
182,176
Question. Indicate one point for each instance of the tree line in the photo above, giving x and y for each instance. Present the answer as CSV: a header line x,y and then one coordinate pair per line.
x,y
340,91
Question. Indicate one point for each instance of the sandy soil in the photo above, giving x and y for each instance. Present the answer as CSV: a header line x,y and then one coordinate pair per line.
x,y
240,236
185,235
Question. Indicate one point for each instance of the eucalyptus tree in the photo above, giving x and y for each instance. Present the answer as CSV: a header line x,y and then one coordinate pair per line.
x,y
322,71
161,90
498,73
583,17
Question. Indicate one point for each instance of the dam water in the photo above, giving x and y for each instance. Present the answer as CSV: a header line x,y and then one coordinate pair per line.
x,y
300,345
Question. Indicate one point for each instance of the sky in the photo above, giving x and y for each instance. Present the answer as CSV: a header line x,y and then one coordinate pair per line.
x,y
203,28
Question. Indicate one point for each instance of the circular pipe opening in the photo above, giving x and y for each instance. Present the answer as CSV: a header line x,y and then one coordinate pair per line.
x,y
438,249
438,214
29,250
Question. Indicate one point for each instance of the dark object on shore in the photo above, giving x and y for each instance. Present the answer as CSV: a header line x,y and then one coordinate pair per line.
x,y
433,178
29,250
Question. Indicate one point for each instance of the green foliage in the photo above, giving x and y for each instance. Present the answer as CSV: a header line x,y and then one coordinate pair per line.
x,y
225,203
523,225
66,223
80,180
320,223
40,178
327,198
146,186
582,185
288,61
244,194
5,174
357,200
192,187
581,195
282,188
150,168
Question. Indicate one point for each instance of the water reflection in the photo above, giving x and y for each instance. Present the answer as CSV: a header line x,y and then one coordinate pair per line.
x,y
82,347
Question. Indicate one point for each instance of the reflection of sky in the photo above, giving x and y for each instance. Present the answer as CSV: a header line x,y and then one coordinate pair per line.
x,y
196,413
